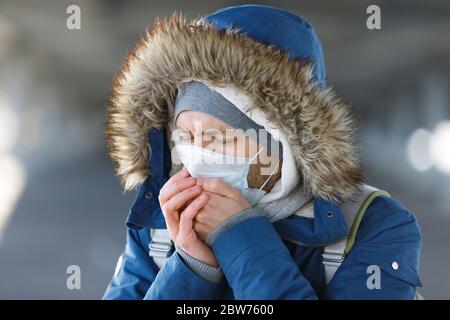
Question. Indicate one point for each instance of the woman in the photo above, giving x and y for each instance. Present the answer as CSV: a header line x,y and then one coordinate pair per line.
x,y
248,165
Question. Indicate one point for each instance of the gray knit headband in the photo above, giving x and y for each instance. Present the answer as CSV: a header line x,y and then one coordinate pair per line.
x,y
197,96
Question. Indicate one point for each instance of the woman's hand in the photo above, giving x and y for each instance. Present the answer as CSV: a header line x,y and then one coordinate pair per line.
x,y
224,202
180,200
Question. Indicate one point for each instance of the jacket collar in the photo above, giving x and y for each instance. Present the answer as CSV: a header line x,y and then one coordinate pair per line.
x,y
146,212
328,225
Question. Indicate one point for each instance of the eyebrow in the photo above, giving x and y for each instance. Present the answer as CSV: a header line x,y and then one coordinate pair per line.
x,y
204,128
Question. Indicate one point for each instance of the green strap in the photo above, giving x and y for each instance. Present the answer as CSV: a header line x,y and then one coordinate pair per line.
x,y
359,215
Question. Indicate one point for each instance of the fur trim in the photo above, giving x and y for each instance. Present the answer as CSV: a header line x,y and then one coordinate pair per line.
x,y
319,126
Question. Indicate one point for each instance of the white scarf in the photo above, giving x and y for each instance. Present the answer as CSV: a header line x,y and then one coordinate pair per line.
x,y
296,202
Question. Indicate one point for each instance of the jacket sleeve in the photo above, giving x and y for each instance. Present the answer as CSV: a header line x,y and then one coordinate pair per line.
x,y
255,261
384,262
138,277
257,264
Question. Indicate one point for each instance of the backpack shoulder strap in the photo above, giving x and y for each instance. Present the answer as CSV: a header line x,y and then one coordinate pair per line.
x,y
160,246
353,211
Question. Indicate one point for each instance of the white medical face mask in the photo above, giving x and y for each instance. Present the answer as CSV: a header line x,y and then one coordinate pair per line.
x,y
204,163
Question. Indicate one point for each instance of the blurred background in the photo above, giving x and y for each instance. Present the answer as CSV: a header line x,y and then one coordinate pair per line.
x,y
60,203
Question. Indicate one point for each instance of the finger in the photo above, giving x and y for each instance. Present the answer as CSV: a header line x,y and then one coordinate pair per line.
x,y
180,199
183,173
172,207
216,185
171,188
187,216
200,229
187,236
172,222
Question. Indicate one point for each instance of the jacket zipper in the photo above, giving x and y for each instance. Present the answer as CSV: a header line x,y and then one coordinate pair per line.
x,y
308,245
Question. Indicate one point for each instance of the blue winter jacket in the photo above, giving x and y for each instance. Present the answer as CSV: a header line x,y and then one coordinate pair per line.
x,y
261,260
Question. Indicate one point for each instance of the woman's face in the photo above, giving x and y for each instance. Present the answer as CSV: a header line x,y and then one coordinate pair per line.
x,y
206,131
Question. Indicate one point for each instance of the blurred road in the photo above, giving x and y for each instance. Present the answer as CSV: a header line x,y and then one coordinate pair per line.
x,y
73,214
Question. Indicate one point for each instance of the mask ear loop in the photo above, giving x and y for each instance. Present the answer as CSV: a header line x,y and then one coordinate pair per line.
x,y
245,173
273,172
267,180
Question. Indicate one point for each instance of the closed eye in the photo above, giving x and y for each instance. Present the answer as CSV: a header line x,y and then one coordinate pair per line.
x,y
220,136
185,136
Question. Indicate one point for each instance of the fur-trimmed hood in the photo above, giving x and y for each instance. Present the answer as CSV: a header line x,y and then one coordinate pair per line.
x,y
319,126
